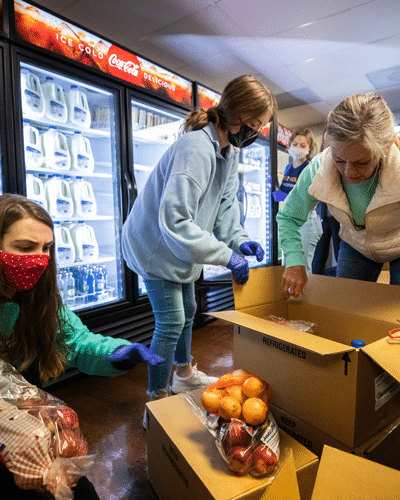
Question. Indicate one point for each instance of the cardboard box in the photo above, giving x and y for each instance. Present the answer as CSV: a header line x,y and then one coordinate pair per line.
x,y
341,476
383,447
184,463
345,392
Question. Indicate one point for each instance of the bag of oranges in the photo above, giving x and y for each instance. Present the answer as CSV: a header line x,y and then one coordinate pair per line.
x,y
246,433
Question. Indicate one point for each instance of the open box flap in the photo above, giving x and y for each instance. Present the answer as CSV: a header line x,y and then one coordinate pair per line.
x,y
306,341
386,355
285,484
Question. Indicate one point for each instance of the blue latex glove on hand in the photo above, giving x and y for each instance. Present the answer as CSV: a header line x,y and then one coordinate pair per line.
x,y
279,195
239,267
252,248
128,356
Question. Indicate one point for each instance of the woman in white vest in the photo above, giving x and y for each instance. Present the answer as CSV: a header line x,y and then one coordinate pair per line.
x,y
358,177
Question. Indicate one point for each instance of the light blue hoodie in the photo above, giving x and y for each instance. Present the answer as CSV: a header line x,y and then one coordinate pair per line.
x,y
189,196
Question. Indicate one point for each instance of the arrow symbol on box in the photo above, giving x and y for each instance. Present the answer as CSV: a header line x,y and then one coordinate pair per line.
x,y
346,359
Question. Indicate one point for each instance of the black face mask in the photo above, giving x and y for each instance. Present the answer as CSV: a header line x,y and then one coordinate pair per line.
x,y
243,138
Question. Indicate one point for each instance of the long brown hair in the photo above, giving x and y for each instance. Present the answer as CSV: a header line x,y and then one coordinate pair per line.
x,y
243,96
37,335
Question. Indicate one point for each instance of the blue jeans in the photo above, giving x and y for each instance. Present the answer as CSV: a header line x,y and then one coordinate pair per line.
x,y
174,307
352,264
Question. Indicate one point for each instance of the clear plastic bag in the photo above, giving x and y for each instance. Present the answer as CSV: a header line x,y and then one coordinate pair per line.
x,y
245,448
303,326
40,439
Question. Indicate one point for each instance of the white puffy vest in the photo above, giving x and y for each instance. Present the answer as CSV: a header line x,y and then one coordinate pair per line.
x,y
380,240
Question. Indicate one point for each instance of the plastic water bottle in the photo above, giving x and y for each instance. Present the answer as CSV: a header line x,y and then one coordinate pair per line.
x,y
31,95
89,285
55,149
55,107
81,153
100,280
33,151
61,284
78,108
70,289
84,201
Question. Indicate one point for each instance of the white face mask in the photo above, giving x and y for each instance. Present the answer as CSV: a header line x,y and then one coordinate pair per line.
x,y
297,153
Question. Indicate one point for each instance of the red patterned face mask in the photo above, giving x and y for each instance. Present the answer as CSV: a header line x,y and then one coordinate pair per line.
x,y
23,271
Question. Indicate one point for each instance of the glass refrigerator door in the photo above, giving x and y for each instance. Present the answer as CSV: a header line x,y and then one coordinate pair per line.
x,y
153,130
72,171
254,196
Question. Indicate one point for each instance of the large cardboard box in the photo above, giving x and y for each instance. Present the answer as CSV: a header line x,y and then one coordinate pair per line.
x,y
341,476
383,447
184,463
345,392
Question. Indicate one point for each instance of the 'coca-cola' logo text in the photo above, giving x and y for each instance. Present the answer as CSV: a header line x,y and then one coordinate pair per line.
x,y
129,67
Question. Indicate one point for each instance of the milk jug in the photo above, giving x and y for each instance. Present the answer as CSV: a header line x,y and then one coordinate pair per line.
x,y
31,95
65,250
55,149
81,153
55,107
35,190
59,199
78,108
86,247
32,147
83,196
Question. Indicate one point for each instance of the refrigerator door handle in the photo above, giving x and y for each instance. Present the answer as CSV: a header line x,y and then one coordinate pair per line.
x,y
130,188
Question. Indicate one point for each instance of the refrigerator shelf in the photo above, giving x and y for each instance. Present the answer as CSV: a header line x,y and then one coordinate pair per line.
x,y
71,173
144,168
245,168
93,298
65,127
79,218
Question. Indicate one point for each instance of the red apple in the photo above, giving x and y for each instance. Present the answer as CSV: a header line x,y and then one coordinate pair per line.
x,y
67,418
239,460
264,460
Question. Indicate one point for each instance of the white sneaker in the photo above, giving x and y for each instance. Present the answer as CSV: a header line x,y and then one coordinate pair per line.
x,y
194,381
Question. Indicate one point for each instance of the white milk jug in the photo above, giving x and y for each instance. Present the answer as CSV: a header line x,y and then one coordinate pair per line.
x,y
55,149
32,147
81,153
78,108
55,107
85,242
31,95
59,199
35,190
65,249
84,201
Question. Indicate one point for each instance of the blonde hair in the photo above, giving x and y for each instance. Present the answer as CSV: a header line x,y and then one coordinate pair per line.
x,y
366,118
310,139
243,96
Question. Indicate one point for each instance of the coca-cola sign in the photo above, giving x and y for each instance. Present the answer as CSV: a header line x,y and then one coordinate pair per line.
x,y
124,65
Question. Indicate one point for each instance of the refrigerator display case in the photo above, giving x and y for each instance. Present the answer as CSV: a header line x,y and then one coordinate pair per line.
x,y
155,126
70,145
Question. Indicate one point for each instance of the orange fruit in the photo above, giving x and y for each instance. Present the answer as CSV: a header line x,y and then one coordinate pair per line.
x,y
229,408
254,411
211,399
237,392
253,387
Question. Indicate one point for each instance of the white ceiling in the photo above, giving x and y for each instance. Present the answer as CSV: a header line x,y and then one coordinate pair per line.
x,y
310,53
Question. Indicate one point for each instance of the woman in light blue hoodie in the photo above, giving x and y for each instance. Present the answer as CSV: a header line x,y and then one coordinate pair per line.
x,y
189,198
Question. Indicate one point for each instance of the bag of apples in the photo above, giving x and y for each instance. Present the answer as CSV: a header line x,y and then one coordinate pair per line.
x,y
41,442
247,435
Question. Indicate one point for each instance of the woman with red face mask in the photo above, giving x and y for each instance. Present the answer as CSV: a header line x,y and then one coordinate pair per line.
x,y
39,335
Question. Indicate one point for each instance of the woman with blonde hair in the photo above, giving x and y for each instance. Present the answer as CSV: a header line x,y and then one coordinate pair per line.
x,y
358,177
187,215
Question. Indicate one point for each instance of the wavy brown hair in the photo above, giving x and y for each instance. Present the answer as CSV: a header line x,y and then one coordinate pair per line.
x,y
37,332
243,96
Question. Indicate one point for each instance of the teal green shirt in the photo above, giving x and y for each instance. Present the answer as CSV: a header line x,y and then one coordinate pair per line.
x,y
294,211
88,351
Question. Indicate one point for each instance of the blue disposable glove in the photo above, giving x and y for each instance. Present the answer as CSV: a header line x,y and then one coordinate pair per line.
x,y
128,356
252,248
279,195
239,267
